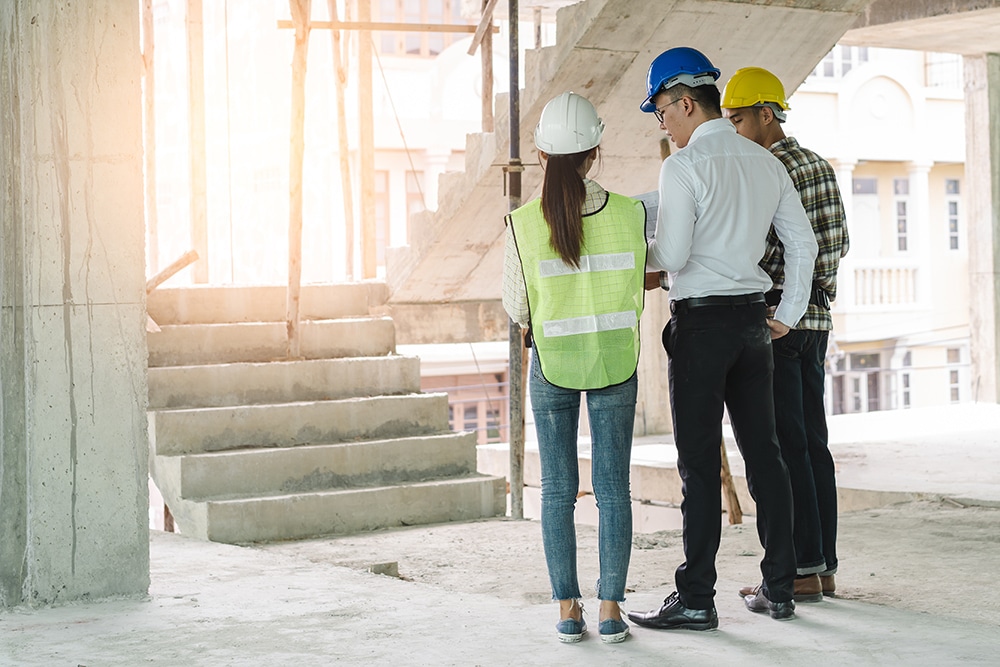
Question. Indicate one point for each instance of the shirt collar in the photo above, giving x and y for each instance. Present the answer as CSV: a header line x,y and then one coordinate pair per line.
x,y
787,142
711,127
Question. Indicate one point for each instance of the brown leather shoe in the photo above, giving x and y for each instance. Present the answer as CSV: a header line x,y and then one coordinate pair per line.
x,y
808,589
828,585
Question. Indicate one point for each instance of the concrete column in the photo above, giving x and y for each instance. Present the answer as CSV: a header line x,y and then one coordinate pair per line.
x,y
845,274
920,232
982,177
73,442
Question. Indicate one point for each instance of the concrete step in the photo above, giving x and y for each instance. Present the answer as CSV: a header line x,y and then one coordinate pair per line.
x,y
216,385
306,515
654,479
196,430
204,304
181,345
308,468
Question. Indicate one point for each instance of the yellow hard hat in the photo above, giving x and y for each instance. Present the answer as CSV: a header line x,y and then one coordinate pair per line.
x,y
751,86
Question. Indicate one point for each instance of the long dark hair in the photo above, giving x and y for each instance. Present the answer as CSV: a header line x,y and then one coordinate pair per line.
x,y
563,193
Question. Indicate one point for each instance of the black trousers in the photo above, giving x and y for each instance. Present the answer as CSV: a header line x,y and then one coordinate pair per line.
x,y
800,414
721,356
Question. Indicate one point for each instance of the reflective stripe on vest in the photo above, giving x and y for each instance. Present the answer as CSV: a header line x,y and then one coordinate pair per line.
x,y
585,320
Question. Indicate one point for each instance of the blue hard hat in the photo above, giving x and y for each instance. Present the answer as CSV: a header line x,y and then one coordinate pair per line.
x,y
677,65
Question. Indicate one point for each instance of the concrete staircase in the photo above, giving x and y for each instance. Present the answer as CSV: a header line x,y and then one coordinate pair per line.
x,y
246,446
603,49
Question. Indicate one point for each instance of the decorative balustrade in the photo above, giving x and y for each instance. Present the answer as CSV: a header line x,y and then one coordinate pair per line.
x,y
884,283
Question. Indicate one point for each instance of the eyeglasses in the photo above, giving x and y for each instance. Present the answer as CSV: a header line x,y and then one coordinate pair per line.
x,y
659,112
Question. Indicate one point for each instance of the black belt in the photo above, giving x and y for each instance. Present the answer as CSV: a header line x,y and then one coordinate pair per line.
x,y
817,296
734,301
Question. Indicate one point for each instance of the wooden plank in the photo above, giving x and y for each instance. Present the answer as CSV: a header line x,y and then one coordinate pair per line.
x,y
382,26
198,166
300,11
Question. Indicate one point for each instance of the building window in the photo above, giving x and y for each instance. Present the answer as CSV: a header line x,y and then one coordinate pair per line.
x,y
855,394
838,395
865,186
414,194
861,361
905,381
476,403
874,404
381,215
954,357
942,70
901,225
951,189
901,189
421,43
840,61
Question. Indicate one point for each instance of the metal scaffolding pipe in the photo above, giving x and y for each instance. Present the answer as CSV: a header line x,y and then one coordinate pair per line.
x,y
515,367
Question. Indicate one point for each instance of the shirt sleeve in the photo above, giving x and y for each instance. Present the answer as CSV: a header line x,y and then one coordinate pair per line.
x,y
515,297
796,235
670,247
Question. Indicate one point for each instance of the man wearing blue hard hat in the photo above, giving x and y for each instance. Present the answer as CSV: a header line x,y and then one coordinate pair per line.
x,y
719,195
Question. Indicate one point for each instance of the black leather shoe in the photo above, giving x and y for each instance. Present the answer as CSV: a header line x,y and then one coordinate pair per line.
x,y
673,614
781,611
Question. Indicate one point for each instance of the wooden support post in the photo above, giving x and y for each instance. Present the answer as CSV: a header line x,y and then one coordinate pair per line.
x,y
732,501
149,130
184,260
346,187
486,52
367,140
199,179
300,17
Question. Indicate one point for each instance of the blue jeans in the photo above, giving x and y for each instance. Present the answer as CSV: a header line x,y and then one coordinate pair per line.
x,y
800,414
557,421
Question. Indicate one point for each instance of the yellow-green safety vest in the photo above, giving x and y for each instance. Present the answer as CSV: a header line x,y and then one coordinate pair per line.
x,y
585,321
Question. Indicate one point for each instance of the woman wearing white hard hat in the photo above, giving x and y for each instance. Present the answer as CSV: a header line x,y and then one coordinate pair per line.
x,y
573,274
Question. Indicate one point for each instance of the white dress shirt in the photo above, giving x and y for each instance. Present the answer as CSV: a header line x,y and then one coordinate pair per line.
x,y
719,195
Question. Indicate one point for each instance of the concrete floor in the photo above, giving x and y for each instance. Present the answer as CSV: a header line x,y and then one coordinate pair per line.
x,y
212,604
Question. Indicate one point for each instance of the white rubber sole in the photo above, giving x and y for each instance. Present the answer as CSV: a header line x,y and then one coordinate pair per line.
x,y
616,638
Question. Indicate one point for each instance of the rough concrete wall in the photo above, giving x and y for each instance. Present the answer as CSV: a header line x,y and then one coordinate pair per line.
x,y
73,445
982,175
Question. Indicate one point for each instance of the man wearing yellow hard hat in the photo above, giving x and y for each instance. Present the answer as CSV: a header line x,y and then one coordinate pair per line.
x,y
754,101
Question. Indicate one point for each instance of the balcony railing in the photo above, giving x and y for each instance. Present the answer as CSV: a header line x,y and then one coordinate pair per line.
x,y
883,283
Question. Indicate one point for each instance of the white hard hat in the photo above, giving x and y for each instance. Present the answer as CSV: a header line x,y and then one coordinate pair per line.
x,y
569,124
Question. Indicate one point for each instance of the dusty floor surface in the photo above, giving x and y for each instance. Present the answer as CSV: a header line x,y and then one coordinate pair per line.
x,y
915,585
924,557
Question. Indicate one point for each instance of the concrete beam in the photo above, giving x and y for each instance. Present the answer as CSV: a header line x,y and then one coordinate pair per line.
x,y
949,26
455,322
73,463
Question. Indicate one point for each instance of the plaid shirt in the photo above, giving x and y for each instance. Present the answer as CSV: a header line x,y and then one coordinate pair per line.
x,y
816,184
515,294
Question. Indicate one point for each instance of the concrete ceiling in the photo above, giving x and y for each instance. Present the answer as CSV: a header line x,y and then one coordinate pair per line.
x,y
968,27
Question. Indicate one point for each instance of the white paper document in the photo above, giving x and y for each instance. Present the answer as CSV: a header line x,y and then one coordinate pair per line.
x,y
651,200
